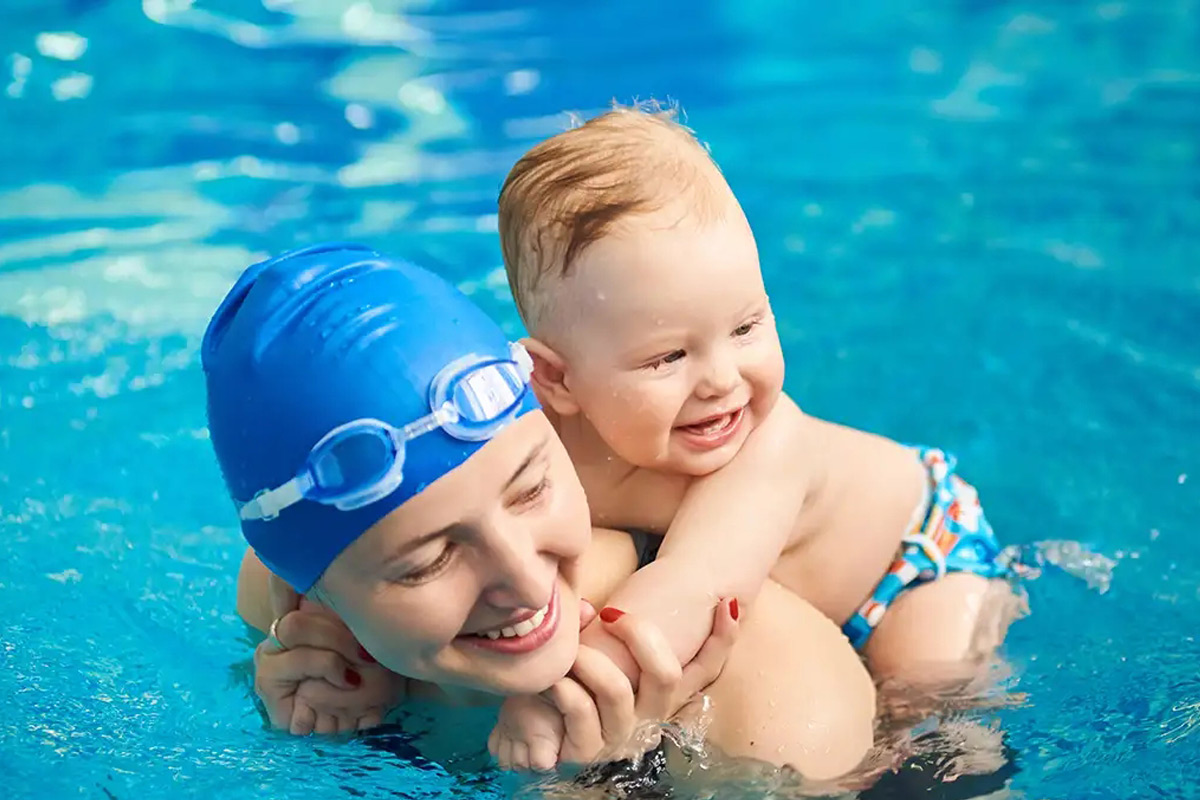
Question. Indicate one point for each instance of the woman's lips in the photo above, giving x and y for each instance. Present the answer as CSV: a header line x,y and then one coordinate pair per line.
x,y
531,639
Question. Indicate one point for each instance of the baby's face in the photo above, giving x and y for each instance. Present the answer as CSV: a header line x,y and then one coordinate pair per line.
x,y
670,346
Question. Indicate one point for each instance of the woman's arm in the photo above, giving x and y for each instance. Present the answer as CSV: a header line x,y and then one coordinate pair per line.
x,y
254,593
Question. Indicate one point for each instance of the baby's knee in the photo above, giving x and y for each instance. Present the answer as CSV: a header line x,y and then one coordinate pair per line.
x,y
940,626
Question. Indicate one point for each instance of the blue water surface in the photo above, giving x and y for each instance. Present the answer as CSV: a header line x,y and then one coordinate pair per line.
x,y
979,221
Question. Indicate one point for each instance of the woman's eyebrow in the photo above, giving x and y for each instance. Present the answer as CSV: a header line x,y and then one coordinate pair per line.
x,y
532,456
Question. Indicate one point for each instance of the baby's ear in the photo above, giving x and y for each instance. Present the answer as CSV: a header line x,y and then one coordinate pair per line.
x,y
550,378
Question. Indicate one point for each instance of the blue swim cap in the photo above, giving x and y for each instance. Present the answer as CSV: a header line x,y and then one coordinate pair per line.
x,y
318,338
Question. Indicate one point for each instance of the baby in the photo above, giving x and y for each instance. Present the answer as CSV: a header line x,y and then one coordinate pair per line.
x,y
657,359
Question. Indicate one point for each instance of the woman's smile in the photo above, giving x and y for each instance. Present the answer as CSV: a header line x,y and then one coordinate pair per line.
x,y
529,632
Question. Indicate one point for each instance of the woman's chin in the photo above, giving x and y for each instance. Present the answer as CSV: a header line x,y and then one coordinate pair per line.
x,y
539,669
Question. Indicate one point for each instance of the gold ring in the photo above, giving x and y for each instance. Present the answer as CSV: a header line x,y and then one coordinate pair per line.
x,y
273,636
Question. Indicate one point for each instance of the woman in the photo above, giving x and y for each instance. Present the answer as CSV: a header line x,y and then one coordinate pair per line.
x,y
390,461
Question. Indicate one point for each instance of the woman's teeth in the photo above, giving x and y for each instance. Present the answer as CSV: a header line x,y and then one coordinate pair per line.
x,y
522,628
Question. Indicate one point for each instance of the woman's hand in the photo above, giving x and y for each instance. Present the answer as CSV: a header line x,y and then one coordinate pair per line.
x,y
601,712
314,677
594,712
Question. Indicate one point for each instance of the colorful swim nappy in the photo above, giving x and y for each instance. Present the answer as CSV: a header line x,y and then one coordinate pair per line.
x,y
952,535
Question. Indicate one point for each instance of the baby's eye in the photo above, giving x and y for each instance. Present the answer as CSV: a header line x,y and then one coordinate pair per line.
x,y
745,328
669,358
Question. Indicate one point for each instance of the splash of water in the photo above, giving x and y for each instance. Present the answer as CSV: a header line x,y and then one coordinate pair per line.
x,y
1072,557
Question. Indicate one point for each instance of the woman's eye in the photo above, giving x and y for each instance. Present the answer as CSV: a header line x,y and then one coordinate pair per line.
x,y
430,570
531,495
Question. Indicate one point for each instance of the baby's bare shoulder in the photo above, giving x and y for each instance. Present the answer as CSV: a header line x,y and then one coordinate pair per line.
x,y
782,444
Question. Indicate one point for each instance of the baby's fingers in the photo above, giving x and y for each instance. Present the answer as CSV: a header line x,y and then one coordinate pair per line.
x,y
494,743
327,725
500,745
543,755
374,720
583,735
518,756
304,719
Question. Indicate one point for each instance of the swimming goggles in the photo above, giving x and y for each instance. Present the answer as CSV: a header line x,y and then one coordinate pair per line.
x,y
360,462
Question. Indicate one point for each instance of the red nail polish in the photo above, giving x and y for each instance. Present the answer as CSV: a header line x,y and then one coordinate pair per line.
x,y
365,656
611,614
353,678
733,609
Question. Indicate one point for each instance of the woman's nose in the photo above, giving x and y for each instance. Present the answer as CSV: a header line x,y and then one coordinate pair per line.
x,y
519,575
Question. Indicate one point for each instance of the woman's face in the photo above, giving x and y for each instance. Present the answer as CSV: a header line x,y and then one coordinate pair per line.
x,y
472,582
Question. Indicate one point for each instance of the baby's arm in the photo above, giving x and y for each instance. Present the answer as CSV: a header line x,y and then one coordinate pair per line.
x,y
723,542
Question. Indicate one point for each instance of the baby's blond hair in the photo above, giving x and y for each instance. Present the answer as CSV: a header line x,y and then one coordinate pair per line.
x,y
574,188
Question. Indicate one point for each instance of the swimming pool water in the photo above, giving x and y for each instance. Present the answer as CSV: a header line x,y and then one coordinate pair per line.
x,y
979,221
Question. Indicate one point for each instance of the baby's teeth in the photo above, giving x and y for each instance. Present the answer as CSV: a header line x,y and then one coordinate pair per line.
x,y
522,628
493,634
508,633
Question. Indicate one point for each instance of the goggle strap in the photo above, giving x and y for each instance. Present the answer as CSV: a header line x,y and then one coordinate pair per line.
x,y
430,422
522,359
267,505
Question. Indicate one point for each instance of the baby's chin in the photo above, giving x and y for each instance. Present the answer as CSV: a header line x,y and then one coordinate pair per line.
x,y
697,465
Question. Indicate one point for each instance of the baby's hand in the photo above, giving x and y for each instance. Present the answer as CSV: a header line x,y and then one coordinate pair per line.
x,y
528,735
315,678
